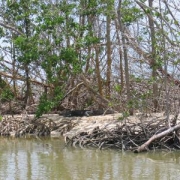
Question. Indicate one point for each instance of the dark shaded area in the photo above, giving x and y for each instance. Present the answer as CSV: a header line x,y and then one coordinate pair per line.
x,y
81,113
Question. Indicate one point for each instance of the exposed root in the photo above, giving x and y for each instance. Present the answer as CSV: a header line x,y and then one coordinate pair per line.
x,y
129,134
137,137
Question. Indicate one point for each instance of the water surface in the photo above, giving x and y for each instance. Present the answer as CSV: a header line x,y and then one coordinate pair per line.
x,y
49,159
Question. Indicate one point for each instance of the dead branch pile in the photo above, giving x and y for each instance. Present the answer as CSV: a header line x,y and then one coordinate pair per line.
x,y
130,136
18,126
21,125
133,133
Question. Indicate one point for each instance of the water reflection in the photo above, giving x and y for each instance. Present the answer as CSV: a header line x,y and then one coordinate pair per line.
x,y
36,159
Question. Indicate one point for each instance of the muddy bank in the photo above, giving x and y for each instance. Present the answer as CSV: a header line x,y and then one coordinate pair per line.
x,y
109,131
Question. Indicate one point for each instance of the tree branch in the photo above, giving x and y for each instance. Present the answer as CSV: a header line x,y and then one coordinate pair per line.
x,y
7,26
23,79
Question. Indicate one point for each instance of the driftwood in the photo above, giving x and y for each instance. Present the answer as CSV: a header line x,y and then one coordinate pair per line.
x,y
144,146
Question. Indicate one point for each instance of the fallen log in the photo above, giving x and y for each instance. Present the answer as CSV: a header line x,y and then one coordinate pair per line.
x,y
144,147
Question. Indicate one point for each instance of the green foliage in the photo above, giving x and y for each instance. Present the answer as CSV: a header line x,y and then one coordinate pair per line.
x,y
176,62
60,37
91,71
6,94
124,115
139,100
68,55
28,49
146,95
44,106
67,8
1,32
118,88
157,14
130,12
90,40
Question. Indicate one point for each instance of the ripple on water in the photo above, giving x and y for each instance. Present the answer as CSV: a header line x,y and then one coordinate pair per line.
x,y
48,158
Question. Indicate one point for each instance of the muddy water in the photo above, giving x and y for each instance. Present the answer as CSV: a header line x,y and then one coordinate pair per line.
x,y
49,159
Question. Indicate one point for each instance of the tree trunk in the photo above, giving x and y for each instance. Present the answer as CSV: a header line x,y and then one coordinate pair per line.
x,y
14,69
120,57
153,63
109,60
26,64
126,63
98,73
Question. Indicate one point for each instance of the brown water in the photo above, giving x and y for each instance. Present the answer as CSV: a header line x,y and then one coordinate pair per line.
x,y
49,159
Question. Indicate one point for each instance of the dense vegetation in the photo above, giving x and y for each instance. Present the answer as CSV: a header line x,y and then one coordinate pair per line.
x,y
90,54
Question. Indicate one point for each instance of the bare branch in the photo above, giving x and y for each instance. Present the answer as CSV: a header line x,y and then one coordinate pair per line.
x,y
23,79
7,26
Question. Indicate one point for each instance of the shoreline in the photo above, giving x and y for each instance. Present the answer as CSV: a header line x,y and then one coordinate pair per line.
x,y
108,131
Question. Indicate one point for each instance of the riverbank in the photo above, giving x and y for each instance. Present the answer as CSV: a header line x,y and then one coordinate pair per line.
x,y
108,131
